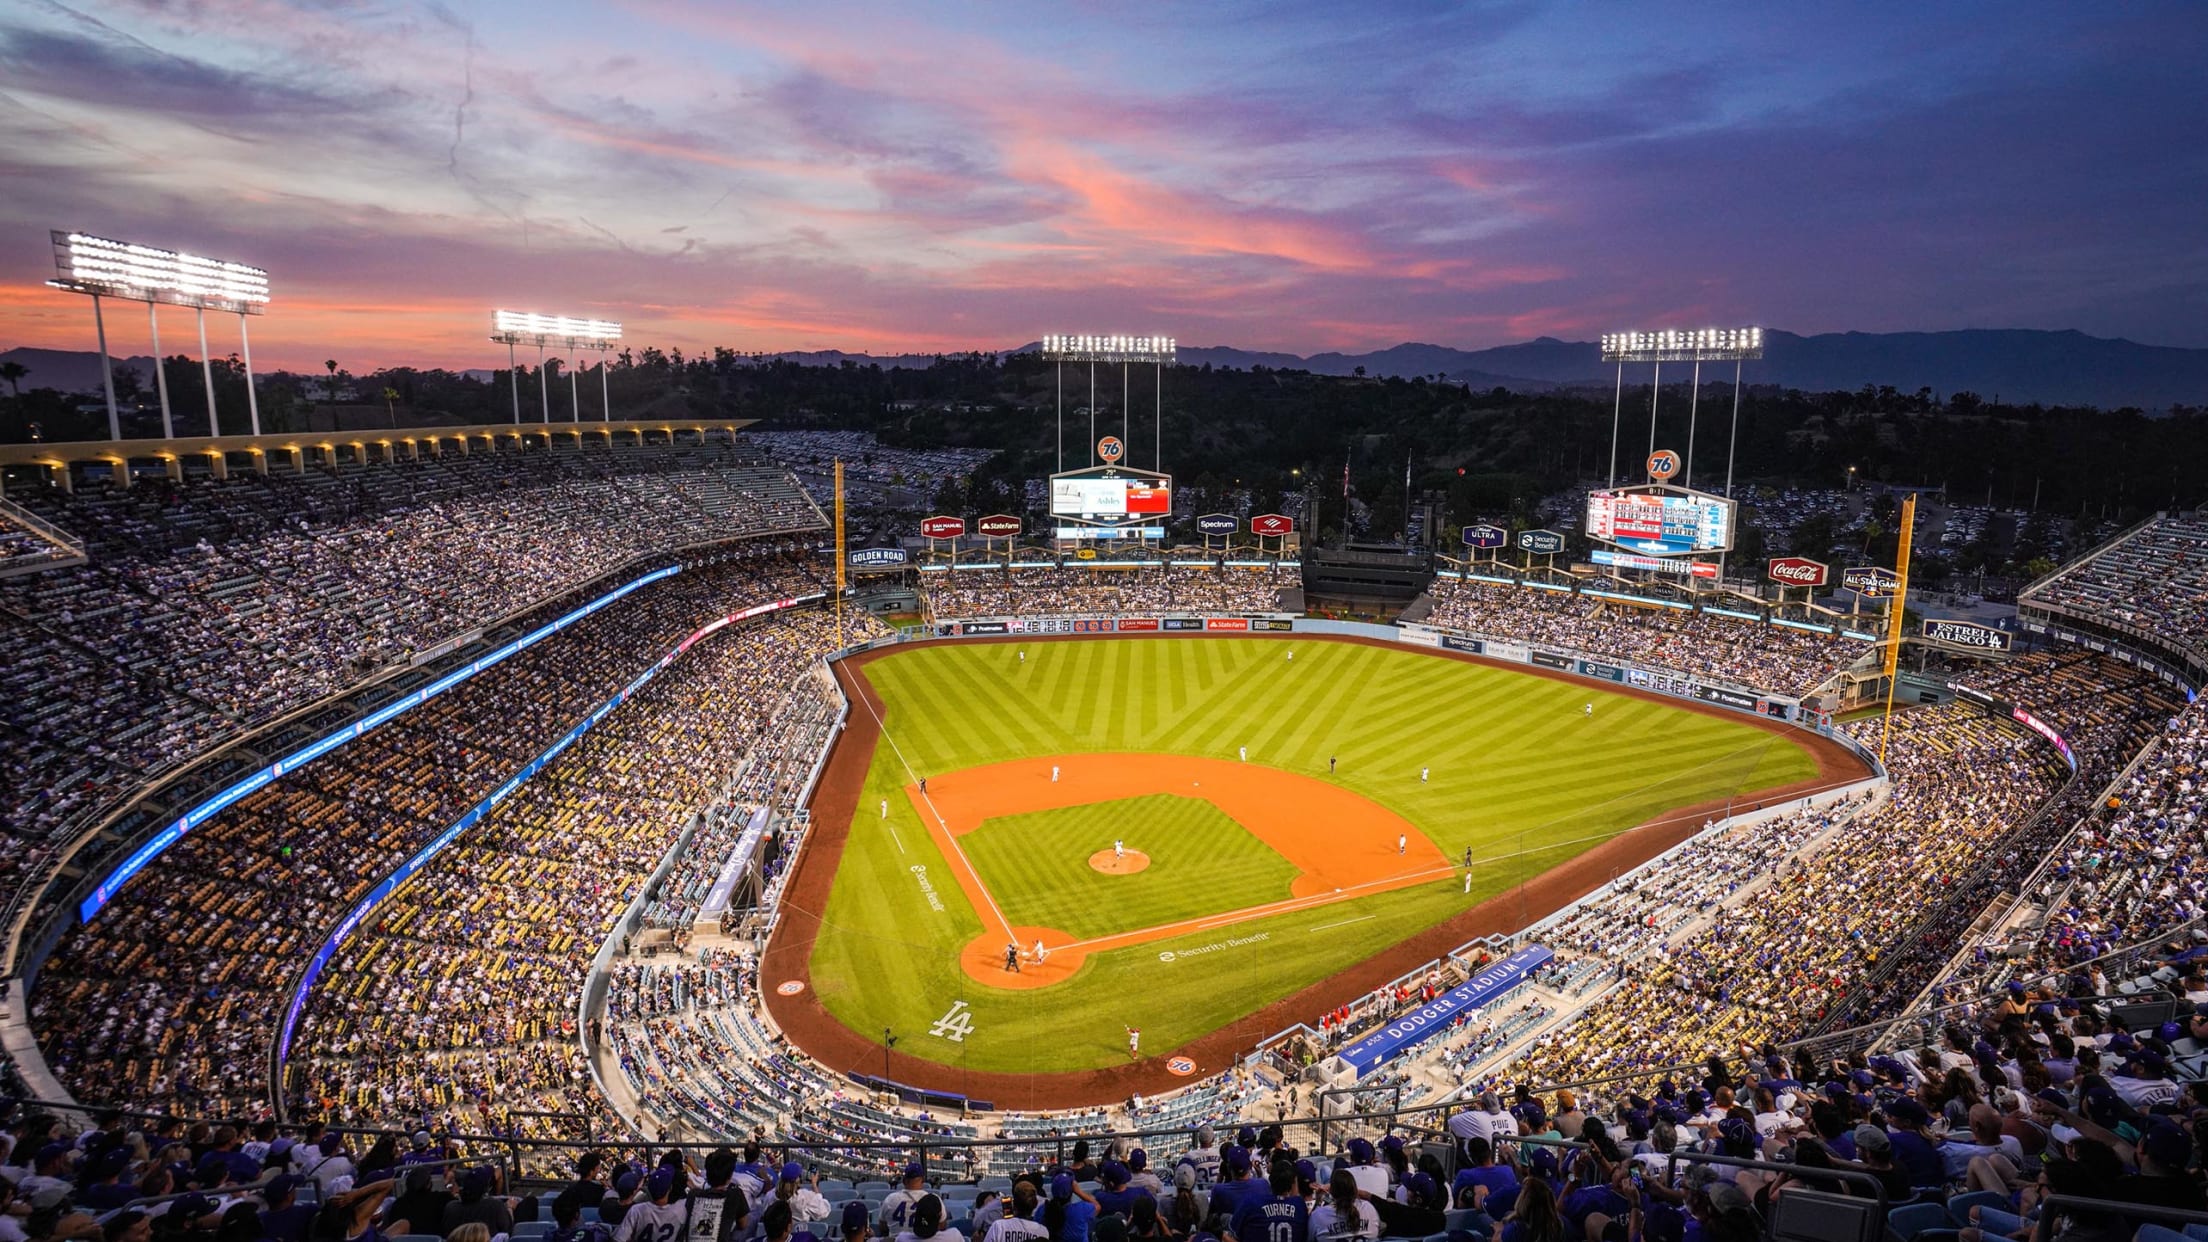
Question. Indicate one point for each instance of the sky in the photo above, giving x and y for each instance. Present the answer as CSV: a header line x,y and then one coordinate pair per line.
x,y
1296,176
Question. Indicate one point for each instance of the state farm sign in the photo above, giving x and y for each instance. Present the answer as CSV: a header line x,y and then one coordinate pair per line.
x,y
943,527
1798,571
998,526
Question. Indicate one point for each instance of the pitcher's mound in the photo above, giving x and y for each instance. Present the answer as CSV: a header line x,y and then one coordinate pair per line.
x,y
1119,864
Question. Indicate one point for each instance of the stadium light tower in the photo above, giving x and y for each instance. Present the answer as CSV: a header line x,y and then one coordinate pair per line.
x,y
511,328
1156,350
99,267
1698,345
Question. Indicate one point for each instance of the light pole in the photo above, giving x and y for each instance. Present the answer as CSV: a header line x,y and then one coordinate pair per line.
x,y
100,267
161,373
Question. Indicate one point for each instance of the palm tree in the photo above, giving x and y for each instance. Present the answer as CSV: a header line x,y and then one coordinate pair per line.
x,y
390,395
330,397
13,372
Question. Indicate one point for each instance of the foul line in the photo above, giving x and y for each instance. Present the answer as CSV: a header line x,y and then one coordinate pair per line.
x,y
1343,923
946,836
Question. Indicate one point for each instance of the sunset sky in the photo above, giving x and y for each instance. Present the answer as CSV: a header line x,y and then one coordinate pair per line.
x,y
1298,176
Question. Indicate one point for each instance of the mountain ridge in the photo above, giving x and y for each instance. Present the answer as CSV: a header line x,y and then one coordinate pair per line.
x,y
2021,365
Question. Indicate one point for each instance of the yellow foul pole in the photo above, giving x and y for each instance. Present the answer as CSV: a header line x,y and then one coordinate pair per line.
x,y
1898,606
841,582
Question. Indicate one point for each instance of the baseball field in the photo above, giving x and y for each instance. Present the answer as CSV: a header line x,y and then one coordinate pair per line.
x,y
1195,829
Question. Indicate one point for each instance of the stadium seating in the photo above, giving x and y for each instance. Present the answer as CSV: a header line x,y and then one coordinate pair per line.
x,y
211,605
1747,653
995,592
2154,578
232,908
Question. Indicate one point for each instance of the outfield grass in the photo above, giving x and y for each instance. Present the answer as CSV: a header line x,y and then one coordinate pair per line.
x,y
1519,774
1201,862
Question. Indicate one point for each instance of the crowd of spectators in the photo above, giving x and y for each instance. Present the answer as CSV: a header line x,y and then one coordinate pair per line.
x,y
2155,579
464,989
1749,653
172,990
211,605
999,592
2133,874
1771,967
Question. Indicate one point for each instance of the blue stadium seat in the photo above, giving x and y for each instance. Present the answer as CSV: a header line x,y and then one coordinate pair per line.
x,y
532,1228
1916,1218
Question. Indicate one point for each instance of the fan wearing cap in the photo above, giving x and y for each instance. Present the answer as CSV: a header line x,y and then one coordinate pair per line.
x,y
1914,1153
1417,1211
104,1189
283,1217
1068,1211
805,1201
329,1162
721,1211
1117,1197
2161,1153
478,1204
1874,1154
48,1182
657,1220
1139,1176
1365,1167
1203,1155
927,1218
628,1190
568,1224
897,1205
1279,1215
2144,1080
1235,1185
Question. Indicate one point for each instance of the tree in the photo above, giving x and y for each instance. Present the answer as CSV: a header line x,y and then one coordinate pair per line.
x,y
330,395
391,395
13,372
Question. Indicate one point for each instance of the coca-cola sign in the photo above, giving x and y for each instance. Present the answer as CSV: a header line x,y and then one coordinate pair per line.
x,y
1798,571
1271,524
940,527
998,526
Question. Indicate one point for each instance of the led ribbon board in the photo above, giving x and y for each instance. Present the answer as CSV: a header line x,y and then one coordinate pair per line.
x,y
160,842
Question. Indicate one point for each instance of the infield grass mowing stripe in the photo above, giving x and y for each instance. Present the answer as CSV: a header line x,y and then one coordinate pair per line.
x,y
1512,757
1201,862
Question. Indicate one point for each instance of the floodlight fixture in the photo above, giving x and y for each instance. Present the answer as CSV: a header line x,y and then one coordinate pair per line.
x,y
530,325
1690,345
511,328
108,268
103,267
1081,348
1160,351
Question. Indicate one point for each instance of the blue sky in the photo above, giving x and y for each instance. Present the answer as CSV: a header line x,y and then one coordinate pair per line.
x,y
1289,176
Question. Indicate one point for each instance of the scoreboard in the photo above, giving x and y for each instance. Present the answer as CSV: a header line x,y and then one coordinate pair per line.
x,y
1661,523
1110,499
